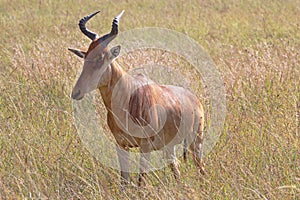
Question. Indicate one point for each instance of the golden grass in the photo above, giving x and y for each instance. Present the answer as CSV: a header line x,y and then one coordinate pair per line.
x,y
255,45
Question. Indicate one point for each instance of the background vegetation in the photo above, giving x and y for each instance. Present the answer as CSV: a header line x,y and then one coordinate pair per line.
x,y
256,47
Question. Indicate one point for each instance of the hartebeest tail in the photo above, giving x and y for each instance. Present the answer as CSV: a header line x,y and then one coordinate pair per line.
x,y
159,109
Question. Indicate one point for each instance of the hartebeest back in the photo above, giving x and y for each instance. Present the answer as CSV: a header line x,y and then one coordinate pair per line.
x,y
136,98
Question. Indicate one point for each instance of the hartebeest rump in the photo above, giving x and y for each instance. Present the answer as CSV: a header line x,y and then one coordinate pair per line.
x,y
136,98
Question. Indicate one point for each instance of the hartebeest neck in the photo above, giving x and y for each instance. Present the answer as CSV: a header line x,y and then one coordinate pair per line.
x,y
114,74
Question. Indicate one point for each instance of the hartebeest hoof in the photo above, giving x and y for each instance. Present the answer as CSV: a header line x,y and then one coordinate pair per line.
x,y
201,167
142,180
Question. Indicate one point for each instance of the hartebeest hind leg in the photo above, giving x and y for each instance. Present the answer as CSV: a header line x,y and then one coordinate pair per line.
x,y
174,164
123,157
197,149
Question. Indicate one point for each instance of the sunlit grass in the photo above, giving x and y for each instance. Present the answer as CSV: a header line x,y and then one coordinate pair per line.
x,y
255,45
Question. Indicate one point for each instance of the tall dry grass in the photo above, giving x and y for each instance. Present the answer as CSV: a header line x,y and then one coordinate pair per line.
x,y
255,45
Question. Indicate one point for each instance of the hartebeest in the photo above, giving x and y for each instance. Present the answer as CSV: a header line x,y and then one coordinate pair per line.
x,y
159,110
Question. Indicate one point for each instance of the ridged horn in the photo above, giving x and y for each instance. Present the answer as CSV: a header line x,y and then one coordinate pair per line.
x,y
84,30
106,39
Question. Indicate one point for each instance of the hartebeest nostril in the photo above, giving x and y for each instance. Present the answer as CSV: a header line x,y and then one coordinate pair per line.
x,y
74,96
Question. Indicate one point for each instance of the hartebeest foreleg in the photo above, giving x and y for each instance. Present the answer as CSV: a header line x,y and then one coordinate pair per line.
x,y
144,160
123,157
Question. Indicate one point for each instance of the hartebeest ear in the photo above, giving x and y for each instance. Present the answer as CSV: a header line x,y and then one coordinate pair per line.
x,y
79,53
115,51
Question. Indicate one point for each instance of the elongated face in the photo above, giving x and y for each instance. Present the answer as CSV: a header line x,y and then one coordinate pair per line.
x,y
95,71
97,59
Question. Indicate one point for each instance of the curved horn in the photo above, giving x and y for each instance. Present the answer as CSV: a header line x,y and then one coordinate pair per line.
x,y
84,30
106,39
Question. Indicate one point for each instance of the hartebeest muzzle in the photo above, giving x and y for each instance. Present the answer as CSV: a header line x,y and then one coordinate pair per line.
x,y
77,95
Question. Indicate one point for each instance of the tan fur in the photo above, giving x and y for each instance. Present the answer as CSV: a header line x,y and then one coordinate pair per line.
x,y
93,45
142,94
141,101
162,115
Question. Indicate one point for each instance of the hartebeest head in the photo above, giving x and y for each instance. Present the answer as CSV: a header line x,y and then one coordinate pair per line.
x,y
96,59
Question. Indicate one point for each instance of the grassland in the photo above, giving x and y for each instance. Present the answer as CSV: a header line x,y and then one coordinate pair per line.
x,y
256,47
